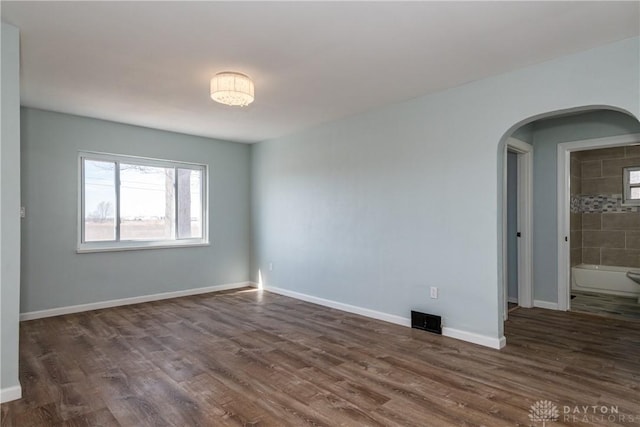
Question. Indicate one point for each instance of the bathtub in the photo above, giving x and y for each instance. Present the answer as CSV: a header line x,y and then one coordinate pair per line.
x,y
604,279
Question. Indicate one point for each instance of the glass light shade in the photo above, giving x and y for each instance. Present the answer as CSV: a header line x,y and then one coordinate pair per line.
x,y
233,89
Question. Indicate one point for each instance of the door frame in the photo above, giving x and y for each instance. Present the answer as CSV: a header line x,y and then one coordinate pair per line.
x,y
525,223
564,183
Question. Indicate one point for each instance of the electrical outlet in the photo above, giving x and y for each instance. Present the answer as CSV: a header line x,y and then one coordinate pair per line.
x,y
23,212
270,266
434,292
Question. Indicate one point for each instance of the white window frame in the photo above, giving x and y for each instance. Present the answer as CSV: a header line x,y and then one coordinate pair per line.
x,y
627,186
126,245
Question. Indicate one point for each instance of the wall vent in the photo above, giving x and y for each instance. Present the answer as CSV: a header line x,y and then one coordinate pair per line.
x,y
426,322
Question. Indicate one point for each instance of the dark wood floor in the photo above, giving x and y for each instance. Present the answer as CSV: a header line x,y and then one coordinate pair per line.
x,y
253,358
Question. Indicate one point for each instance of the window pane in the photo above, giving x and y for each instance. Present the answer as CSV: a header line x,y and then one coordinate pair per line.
x,y
634,177
147,206
635,193
99,201
189,203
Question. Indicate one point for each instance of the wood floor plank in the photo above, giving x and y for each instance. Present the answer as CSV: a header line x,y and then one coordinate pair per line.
x,y
248,357
101,417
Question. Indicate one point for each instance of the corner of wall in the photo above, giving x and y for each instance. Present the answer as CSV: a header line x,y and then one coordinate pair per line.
x,y
10,208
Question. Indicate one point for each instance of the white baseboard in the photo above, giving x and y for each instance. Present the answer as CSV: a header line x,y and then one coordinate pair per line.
x,y
127,301
471,337
10,393
513,300
545,304
391,318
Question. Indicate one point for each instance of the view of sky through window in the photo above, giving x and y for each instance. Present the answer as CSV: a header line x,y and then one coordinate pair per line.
x,y
147,202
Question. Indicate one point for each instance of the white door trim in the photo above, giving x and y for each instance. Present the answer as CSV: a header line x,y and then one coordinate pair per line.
x,y
525,223
563,182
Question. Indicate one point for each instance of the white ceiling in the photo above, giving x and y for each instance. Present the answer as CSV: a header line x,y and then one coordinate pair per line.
x,y
149,63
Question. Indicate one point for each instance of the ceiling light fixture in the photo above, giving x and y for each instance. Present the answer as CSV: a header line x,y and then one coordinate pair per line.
x,y
233,89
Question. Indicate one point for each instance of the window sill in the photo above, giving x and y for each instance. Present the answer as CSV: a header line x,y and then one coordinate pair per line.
x,y
137,246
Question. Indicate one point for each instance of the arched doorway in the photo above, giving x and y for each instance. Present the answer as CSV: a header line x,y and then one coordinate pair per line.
x,y
545,133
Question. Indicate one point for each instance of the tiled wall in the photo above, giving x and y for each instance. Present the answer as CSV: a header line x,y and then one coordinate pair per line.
x,y
610,232
602,169
611,239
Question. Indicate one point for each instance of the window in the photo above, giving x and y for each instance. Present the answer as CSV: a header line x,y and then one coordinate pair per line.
x,y
631,177
135,203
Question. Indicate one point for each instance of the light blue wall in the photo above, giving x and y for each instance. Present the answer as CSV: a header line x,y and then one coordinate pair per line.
x,y
524,133
547,134
374,209
512,225
10,208
53,275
